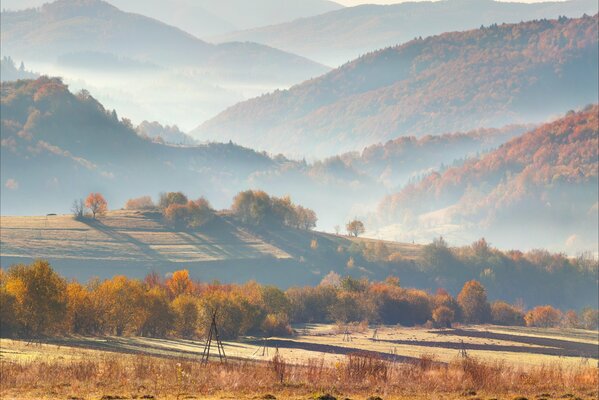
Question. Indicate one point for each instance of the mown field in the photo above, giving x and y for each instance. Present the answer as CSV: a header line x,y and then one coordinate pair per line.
x,y
528,362
135,243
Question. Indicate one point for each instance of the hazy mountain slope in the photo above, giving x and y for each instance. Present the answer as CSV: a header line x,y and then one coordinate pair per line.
x,y
203,18
10,72
453,82
397,161
73,26
339,36
143,67
68,145
539,189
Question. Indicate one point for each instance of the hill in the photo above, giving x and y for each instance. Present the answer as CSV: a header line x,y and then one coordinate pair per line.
x,y
135,243
74,26
457,81
535,190
142,66
69,144
203,18
338,36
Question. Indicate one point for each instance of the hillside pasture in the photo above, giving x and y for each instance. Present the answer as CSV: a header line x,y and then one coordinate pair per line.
x,y
418,363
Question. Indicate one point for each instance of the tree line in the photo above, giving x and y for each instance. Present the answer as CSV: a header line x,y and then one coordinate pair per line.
x,y
36,301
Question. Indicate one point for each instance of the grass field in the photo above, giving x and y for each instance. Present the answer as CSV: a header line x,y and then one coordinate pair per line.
x,y
568,357
135,243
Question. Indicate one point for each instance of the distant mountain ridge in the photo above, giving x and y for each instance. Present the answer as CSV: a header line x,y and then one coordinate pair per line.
x,y
203,18
338,36
457,81
540,187
72,26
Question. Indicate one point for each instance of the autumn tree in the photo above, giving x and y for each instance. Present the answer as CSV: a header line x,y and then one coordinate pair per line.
x,y
355,228
8,322
96,203
120,302
186,315
191,215
140,203
473,301
156,314
82,316
589,318
179,283
443,317
503,313
543,317
40,302
166,199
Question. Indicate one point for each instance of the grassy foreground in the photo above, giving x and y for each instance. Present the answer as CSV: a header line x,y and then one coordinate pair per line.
x,y
45,371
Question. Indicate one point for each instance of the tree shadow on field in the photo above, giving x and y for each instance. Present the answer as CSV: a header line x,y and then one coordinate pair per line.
x,y
332,349
550,346
121,237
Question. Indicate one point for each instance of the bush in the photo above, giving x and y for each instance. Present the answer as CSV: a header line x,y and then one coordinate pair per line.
x,y
191,215
503,313
543,317
140,203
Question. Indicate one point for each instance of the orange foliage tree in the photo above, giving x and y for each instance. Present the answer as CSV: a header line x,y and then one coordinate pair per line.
x,y
543,316
473,301
97,204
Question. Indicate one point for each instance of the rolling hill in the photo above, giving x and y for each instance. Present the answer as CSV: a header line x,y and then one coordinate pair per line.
x,y
75,26
338,36
538,189
203,18
457,81
69,144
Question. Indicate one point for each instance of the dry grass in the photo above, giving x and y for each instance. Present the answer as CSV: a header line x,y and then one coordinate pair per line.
x,y
134,376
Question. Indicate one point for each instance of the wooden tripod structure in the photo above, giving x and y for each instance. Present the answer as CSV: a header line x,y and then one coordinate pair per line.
x,y
213,335
347,335
263,347
463,352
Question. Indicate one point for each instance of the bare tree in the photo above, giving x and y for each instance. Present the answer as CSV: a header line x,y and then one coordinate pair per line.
x,y
78,209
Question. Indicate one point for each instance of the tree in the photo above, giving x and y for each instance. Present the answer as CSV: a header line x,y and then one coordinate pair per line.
x,y
543,317
473,301
503,313
443,317
179,283
39,295
140,203
186,313
120,303
78,209
96,204
82,316
355,228
157,316
166,199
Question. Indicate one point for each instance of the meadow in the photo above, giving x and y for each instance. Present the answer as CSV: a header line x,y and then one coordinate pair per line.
x,y
356,361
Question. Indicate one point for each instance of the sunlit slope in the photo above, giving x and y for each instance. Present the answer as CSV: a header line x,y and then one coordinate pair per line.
x,y
135,243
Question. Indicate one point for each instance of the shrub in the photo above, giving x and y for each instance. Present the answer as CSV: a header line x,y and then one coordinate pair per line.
x,y
503,313
543,316
140,203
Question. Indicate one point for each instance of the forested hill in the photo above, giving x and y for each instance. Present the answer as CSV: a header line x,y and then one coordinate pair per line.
x,y
336,37
79,29
457,81
65,145
537,189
